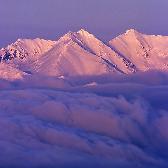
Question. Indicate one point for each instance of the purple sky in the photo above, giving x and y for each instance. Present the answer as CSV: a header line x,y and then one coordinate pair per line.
x,y
105,18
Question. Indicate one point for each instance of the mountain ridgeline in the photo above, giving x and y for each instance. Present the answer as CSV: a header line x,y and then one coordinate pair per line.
x,y
81,53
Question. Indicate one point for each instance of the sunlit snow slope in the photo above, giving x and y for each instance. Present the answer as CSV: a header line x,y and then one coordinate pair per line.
x,y
24,52
144,51
81,53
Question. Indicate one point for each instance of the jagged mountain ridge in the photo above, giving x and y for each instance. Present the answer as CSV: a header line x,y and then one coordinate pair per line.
x,y
81,53
145,51
24,52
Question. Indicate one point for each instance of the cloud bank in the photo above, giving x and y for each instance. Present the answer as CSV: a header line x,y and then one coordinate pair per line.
x,y
96,121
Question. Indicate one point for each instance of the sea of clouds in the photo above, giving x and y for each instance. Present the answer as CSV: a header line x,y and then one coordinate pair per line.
x,y
97,121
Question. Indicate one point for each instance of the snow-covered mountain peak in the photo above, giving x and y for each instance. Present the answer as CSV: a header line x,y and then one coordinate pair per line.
x,y
70,36
85,33
144,51
132,32
74,44
78,37
81,38
82,53
23,48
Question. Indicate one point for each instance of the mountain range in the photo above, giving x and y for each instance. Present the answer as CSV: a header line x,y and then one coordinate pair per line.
x,y
81,53
80,102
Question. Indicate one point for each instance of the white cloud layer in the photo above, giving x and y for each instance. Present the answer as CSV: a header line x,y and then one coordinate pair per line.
x,y
119,122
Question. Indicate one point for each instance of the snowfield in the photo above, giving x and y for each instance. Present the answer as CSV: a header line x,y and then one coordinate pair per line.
x,y
80,103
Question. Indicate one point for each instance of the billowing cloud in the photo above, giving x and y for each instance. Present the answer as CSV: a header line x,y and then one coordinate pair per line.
x,y
120,122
